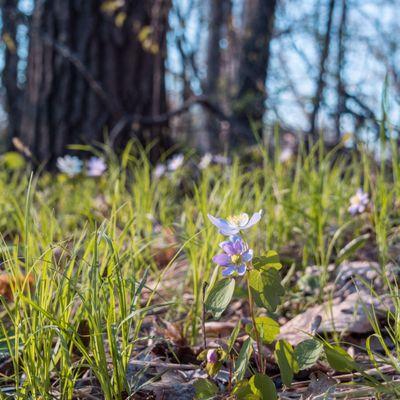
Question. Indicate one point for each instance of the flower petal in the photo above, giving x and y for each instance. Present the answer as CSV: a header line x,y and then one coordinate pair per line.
x,y
228,271
247,255
222,259
254,219
239,246
228,247
241,269
229,231
220,223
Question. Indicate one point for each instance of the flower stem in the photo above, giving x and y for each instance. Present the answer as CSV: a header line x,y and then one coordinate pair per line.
x,y
251,306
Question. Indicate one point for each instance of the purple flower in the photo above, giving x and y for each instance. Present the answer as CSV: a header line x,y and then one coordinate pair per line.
x,y
358,202
175,162
159,170
236,255
212,356
96,167
233,225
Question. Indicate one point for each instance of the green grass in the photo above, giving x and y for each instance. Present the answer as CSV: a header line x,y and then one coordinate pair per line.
x,y
89,246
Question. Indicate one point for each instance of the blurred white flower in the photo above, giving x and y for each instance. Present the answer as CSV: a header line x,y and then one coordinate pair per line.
x,y
96,166
70,165
358,202
286,154
176,162
159,170
205,161
220,159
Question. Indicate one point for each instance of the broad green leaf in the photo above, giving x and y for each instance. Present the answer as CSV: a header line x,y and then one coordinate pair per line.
x,y
267,328
205,389
263,386
242,390
219,297
270,260
339,359
243,359
266,288
352,247
14,160
286,360
307,353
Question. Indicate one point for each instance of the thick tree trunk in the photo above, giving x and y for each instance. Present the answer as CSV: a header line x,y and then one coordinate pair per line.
x,y
9,13
249,103
209,140
92,66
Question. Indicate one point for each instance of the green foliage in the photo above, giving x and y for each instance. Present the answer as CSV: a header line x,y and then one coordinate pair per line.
x,y
267,328
286,360
307,353
243,359
220,296
339,359
263,386
270,260
205,389
266,288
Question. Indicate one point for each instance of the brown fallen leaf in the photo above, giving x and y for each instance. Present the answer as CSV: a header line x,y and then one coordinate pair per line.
x,y
320,385
10,283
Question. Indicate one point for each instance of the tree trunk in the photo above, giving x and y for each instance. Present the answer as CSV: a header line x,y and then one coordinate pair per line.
x,y
249,103
319,89
94,66
209,139
9,12
340,86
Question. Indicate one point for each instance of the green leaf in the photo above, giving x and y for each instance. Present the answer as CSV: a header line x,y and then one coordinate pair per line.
x,y
205,389
266,288
14,160
243,359
270,260
233,337
286,360
219,297
307,353
352,247
263,386
267,328
339,359
242,390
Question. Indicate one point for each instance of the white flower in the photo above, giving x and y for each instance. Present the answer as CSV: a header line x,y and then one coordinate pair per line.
x,y
286,154
205,161
159,170
220,159
96,166
175,162
70,165
234,224
358,202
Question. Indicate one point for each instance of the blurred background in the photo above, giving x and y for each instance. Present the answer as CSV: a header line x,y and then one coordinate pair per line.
x,y
212,75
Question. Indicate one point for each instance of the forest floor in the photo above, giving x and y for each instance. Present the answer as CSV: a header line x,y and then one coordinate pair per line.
x,y
109,288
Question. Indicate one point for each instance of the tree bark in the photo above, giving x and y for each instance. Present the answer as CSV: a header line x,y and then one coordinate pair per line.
x,y
320,86
90,65
249,103
9,13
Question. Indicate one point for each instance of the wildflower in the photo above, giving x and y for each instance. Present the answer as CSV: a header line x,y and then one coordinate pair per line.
x,y
220,159
176,162
159,170
96,166
236,255
212,356
358,202
286,155
234,224
205,161
70,165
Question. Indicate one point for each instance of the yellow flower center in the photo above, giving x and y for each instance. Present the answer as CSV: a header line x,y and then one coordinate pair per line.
x,y
236,258
238,220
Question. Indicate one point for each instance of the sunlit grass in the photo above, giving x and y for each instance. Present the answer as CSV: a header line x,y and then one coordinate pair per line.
x,y
88,246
